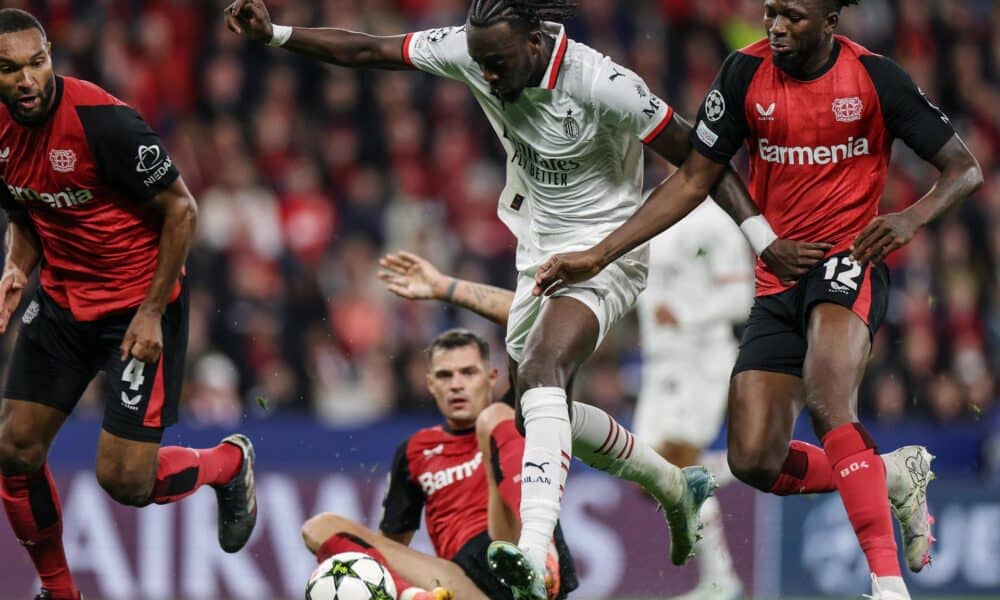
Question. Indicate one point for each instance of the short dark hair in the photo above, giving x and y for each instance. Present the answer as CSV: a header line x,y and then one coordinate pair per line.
x,y
838,5
15,19
526,13
459,338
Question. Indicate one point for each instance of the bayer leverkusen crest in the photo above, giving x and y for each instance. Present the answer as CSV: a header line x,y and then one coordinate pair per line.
x,y
63,161
848,110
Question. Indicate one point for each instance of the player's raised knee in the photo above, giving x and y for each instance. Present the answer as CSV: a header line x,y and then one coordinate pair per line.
x,y
20,456
542,370
492,416
126,485
754,467
319,528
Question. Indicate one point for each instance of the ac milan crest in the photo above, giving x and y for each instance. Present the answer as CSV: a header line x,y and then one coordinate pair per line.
x,y
571,127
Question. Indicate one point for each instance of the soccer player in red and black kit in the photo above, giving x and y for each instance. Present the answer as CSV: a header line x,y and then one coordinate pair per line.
x,y
819,114
463,475
93,199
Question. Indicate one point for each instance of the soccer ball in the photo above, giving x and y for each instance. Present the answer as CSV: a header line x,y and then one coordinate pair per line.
x,y
350,576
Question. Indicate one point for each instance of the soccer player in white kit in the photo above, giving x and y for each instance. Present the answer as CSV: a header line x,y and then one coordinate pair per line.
x,y
572,123
700,284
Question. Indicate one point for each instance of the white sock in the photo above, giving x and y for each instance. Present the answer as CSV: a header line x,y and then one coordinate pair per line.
x,y
717,462
715,565
892,584
599,441
547,447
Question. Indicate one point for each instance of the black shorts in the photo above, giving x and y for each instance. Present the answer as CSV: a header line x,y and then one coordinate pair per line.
x,y
56,357
775,336
472,559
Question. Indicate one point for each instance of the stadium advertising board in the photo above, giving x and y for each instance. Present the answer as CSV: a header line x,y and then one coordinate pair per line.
x,y
820,555
170,552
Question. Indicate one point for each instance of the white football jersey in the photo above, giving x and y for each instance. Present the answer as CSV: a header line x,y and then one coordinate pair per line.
x,y
574,144
701,270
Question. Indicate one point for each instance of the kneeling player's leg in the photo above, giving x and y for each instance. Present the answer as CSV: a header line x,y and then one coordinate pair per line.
x,y
503,450
328,534
839,344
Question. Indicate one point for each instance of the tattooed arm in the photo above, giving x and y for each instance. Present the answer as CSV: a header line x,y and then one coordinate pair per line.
x,y
415,278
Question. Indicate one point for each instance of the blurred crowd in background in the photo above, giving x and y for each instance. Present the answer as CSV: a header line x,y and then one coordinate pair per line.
x,y
305,174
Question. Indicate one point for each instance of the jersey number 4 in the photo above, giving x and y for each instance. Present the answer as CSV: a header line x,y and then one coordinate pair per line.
x,y
133,374
844,269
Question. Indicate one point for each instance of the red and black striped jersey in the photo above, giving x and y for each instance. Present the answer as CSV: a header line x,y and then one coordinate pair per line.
x,y
819,149
84,178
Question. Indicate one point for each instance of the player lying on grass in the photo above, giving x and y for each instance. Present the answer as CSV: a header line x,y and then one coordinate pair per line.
x,y
463,476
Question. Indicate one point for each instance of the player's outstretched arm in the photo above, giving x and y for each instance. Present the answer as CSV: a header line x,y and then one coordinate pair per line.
x,y
415,278
23,252
678,195
336,46
787,259
960,177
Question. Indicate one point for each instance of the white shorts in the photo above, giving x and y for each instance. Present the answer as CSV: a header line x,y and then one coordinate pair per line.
x,y
610,295
683,400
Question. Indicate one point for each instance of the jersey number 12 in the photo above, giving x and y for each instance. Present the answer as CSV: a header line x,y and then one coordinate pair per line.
x,y
848,275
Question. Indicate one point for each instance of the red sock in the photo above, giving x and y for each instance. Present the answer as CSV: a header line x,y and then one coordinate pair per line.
x,y
860,476
181,471
33,509
507,446
345,542
807,470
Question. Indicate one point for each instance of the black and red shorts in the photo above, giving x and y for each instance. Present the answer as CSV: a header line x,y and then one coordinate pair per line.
x,y
775,336
56,357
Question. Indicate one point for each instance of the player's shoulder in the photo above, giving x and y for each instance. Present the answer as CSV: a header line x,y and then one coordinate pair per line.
x,y
852,49
427,437
742,65
450,40
79,92
592,76
880,68
760,49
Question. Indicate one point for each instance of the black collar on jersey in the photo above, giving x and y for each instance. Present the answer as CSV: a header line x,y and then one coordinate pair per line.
x,y
551,76
447,429
834,54
55,105
59,95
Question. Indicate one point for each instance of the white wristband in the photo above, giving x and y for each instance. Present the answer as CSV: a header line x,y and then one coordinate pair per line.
x,y
758,232
280,35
